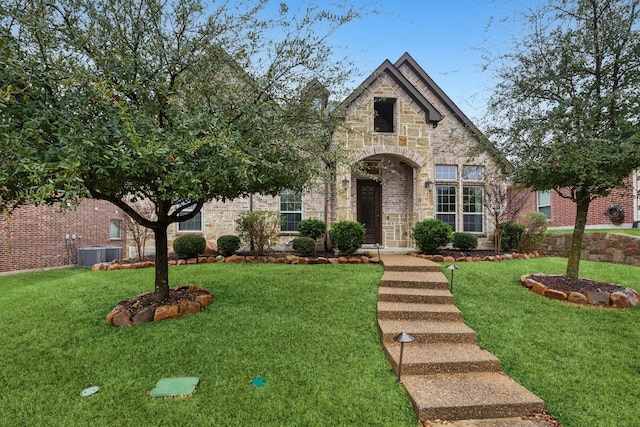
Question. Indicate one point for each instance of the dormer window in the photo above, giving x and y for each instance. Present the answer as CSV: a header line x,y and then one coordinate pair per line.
x,y
384,114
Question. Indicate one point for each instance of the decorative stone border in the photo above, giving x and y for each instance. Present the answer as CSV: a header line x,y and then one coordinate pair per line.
x,y
489,258
121,316
621,299
367,258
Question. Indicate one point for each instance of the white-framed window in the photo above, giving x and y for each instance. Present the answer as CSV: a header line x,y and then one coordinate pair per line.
x,y
544,203
290,209
446,172
446,204
472,209
115,229
384,119
193,224
473,173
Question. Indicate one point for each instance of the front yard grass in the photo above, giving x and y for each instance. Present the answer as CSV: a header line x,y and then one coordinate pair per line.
x,y
310,331
583,362
630,231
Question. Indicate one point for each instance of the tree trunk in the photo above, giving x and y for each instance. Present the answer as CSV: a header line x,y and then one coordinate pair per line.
x,y
573,263
162,263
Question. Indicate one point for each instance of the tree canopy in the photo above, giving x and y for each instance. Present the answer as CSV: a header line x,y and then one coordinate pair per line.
x,y
175,102
568,103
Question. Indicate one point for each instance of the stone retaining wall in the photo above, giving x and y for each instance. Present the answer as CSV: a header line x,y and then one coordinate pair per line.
x,y
603,247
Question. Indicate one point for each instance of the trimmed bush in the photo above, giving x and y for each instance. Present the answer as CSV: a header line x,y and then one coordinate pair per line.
x,y
189,245
258,229
305,245
347,236
431,234
511,235
535,224
228,244
313,228
464,241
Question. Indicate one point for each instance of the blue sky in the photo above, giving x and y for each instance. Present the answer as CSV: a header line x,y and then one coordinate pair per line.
x,y
445,37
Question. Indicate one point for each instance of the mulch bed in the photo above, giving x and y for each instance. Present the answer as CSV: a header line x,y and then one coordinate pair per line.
x,y
176,295
560,283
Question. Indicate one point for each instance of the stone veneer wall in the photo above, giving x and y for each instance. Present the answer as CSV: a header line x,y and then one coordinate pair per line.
x,y
604,247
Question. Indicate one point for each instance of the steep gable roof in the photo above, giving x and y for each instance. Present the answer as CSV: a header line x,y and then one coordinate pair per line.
x,y
483,141
431,114
408,60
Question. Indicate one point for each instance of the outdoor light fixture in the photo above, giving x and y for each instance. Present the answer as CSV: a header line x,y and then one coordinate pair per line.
x,y
428,185
378,248
345,183
402,338
453,268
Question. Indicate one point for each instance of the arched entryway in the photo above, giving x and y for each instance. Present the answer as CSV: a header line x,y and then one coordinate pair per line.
x,y
385,200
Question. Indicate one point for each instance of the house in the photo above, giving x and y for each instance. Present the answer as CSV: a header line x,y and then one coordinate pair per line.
x,y
36,237
413,142
620,209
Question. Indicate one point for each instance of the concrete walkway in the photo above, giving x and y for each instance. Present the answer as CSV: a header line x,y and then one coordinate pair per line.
x,y
446,374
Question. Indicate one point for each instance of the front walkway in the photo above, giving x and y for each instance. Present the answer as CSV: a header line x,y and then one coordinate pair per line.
x,y
446,374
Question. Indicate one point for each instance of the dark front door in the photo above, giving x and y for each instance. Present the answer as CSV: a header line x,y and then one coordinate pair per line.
x,y
370,209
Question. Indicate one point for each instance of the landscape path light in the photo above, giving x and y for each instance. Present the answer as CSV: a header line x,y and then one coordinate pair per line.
x,y
402,338
453,268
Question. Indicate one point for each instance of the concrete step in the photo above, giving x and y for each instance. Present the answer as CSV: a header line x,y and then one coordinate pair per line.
x,y
409,311
415,295
469,396
427,331
413,279
440,358
408,263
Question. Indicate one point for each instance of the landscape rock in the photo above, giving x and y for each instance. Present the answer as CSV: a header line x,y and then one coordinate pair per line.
x,y
539,288
188,307
234,258
619,300
143,316
165,312
554,294
598,298
577,298
122,319
205,300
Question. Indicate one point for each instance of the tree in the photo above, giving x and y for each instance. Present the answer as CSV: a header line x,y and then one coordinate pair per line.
x,y
138,233
568,101
171,102
502,201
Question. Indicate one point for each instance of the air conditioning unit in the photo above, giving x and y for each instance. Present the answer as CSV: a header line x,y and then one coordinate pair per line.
x,y
87,257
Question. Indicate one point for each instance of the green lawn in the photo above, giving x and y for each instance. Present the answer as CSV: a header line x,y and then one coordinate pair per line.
x,y
309,330
631,231
583,362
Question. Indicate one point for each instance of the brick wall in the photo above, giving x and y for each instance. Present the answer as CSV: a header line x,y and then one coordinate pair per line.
x,y
35,237
563,211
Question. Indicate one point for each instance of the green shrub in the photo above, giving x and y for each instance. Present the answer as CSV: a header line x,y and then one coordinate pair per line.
x,y
313,228
258,229
431,234
511,235
189,245
305,245
464,241
347,236
535,224
228,244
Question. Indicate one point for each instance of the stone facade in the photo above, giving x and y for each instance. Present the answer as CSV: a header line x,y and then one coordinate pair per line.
x,y
428,130
604,247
